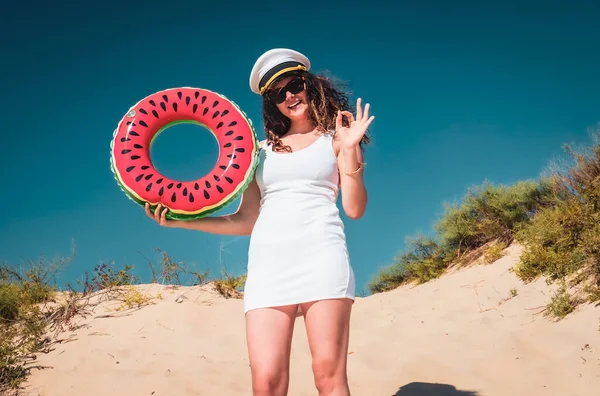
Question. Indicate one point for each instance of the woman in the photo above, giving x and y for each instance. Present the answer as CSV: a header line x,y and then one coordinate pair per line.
x,y
297,258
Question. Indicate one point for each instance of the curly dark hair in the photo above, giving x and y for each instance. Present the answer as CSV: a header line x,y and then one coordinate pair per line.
x,y
325,97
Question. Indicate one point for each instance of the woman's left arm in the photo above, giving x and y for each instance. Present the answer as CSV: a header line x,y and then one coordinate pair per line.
x,y
350,159
354,193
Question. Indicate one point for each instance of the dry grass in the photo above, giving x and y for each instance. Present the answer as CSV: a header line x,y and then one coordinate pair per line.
x,y
35,316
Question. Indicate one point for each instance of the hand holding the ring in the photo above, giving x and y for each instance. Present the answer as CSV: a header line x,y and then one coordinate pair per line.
x,y
160,215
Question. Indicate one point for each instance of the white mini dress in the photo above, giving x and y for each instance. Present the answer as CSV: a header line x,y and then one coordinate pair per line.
x,y
297,250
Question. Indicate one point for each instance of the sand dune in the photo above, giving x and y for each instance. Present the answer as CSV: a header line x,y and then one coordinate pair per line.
x,y
463,334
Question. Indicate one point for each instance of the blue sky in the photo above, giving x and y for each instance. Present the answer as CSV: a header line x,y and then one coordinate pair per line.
x,y
461,92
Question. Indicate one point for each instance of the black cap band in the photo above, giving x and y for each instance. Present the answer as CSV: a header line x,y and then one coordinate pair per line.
x,y
276,71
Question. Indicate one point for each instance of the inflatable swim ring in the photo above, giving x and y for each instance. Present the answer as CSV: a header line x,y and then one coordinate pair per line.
x,y
234,168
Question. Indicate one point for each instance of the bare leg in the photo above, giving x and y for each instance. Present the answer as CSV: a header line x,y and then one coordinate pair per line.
x,y
327,328
269,338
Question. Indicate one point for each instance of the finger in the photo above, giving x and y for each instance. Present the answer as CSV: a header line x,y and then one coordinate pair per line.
x,y
147,209
369,122
359,113
366,113
338,120
163,216
349,116
157,212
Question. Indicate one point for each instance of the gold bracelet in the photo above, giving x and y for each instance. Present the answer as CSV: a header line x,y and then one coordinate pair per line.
x,y
360,167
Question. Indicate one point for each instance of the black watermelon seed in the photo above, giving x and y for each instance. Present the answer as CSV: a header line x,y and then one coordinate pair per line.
x,y
166,98
148,187
187,100
216,114
134,133
134,157
232,123
152,102
163,106
206,194
138,146
215,103
224,113
129,169
175,107
137,179
220,124
228,144
238,138
222,167
217,178
196,94
219,189
228,133
178,185
185,192
142,123
144,167
191,197
124,139
195,108
179,95
205,111
170,186
196,186
231,156
128,122
150,176
240,150
159,181
229,179
155,114
125,151
173,197
207,184
143,111
235,166
160,192
203,99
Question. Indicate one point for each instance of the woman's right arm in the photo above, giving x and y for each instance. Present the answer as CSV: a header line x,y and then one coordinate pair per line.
x,y
239,223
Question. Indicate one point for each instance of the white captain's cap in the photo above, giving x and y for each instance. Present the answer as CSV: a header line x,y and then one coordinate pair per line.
x,y
273,64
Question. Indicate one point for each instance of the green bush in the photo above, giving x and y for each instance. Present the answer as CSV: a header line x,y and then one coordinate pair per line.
x,y
424,260
561,304
488,213
556,219
22,320
10,302
563,241
105,276
389,278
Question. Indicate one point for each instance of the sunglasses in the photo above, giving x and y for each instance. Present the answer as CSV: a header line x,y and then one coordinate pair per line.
x,y
295,86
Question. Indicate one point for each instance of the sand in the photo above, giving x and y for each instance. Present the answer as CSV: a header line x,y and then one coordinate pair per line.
x,y
462,334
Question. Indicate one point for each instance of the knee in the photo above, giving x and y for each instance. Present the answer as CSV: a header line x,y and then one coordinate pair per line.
x,y
329,374
268,382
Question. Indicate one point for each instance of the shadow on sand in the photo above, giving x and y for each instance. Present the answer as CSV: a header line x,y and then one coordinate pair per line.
x,y
427,389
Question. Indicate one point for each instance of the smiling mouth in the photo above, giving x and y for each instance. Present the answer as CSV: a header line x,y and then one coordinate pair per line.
x,y
295,105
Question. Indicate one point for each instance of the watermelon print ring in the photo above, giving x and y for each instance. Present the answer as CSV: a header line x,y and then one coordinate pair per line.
x,y
186,200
